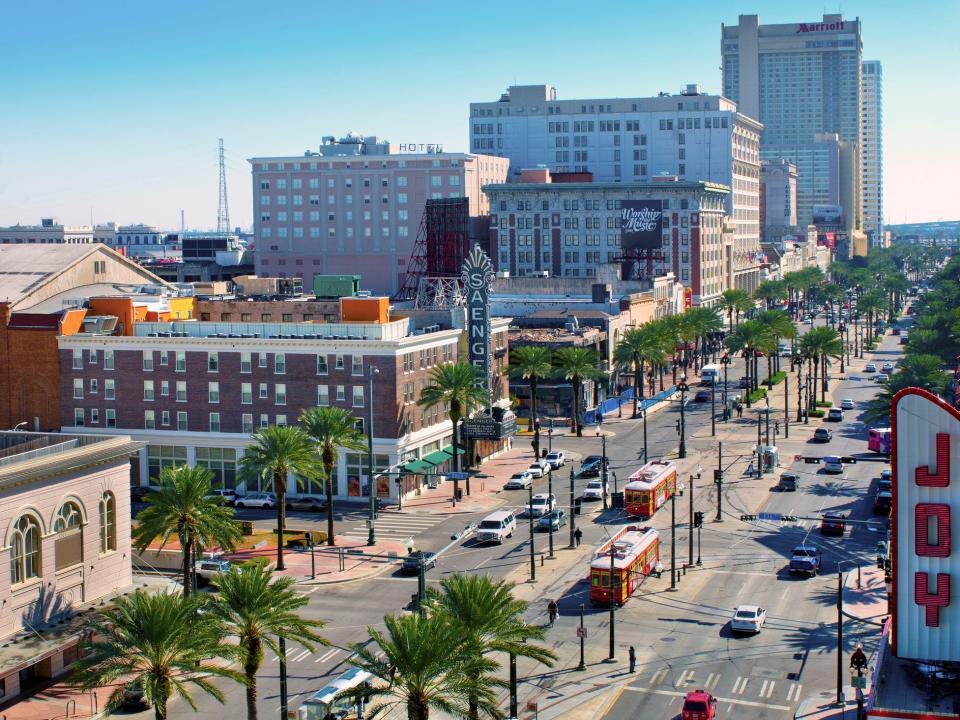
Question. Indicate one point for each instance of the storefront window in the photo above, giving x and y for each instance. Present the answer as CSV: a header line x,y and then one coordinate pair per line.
x,y
161,456
222,462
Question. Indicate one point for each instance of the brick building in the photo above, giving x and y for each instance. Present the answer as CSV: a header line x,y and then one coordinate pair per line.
x,y
195,391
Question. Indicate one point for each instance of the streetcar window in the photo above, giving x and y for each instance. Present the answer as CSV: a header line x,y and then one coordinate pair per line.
x,y
596,579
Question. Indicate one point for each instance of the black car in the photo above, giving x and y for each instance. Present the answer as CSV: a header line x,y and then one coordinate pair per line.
x,y
882,502
744,383
822,435
702,396
411,563
133,699
591,466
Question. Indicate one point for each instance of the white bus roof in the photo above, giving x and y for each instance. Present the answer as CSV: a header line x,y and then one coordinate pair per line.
x,y
628,546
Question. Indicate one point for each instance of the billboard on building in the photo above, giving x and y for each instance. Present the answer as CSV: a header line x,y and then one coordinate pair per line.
x,y
477,274
827,215
926,494
641,224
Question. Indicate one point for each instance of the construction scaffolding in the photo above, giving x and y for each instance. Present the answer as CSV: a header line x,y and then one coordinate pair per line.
x,y
442,244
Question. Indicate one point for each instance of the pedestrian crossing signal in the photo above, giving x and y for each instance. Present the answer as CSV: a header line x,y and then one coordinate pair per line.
x,y
698,519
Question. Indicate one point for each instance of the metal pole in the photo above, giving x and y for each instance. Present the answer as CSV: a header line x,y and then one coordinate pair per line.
x,y
759,444
646,456
726,363
673,541
372,534
840,693
421,584
513,686
313,560
767,411
549,504
699,539
283,677
573,515
683,421
786,405
583,663
719,517
690,539
713,410
550,437
613,601
603,468
533,563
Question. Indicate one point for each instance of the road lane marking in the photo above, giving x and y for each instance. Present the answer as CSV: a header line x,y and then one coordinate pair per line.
x,y
766,690
732,701
686,677
712,680
301,656
658,676
742,572
327,655
740,686
793,694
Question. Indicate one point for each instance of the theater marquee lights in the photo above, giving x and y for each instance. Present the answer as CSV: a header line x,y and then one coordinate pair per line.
x,y
926,496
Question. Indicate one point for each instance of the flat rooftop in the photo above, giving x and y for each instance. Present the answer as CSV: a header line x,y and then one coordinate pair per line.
x,y
392,330
911,686
27,456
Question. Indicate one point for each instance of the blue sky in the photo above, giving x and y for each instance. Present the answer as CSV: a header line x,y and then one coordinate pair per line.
x,y
114,108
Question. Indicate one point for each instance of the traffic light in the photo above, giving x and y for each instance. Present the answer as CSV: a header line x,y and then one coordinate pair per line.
x,y
788,518
698,519
748,518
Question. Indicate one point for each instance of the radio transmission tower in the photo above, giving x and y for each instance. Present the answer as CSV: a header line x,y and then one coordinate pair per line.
x,y
223,213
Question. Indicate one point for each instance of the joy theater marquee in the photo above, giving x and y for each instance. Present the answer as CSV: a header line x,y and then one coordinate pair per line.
x,y
926,499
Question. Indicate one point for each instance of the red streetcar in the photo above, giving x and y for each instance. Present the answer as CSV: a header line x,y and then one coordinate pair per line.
x,y
636,554
649,488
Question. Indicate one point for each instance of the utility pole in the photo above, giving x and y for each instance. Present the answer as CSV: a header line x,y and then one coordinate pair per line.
x,y
513,686
673,542
646,455
372,534
613,601
786,405
603,465
840,694
573,514
690,558
550,513
719,480
283,677
713,410
533,562
583,663
683,387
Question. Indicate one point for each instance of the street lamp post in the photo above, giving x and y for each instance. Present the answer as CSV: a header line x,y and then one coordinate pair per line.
x,y
533,561
603,466
719,481
841,350
283,675
613,601
550,437
646,455
725,361
573,515
372,534
683,387
799,389
583,663
673,541
550,555
786,404
713,410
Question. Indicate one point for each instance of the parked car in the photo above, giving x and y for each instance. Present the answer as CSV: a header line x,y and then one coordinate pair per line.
x,y
904,338
702,396
207,570
748,618
833,523
870,367
884,485
229,495
257,499
744,383
881,378
519,481
822,435
538,468
887,367
789,482
886,474
591,465
847,404
835,414
832,465
698,705
306,502
593,490
882,502
411,563
134,699
805,559
541,505
557,518
557,459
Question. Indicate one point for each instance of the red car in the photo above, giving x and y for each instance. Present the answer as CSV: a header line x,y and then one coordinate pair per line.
x,y
699,705
833,523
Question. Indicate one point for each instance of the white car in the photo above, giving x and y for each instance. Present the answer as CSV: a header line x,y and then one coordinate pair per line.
x,y
538,468
541,505
557,459
881,378
748,618
870,367
519,481
847,404
887,367
257,499
593,490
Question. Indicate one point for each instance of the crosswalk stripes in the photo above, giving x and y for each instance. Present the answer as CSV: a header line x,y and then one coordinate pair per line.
x,y
793,694
328,655
740,686
712,680
395,527
765,690
659,676
686,677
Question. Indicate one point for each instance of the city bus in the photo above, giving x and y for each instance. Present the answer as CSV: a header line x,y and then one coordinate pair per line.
x,y
649,488
636,554
327,702
710,374
879,440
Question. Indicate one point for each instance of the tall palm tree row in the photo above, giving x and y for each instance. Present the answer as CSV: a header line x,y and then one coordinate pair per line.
x,y
735,301
533,364
185,508
577,364
161,643
276,453
256,608
749,338
331,429
821,344
771,292
458,387
781,328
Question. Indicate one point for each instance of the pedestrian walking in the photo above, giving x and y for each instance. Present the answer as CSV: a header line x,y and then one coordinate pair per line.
x,y
552,612
577,537
633,659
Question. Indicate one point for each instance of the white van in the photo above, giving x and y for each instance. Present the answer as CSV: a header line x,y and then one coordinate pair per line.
x,y
710,374
497,527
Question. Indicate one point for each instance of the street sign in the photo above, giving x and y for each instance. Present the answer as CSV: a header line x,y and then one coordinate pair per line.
x,y
858,682
581,632
457,475
775,517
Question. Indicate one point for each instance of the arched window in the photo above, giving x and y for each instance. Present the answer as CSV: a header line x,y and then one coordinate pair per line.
x,y
25,558
68,544
108,522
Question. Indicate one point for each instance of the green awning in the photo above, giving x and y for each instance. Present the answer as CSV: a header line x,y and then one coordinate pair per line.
x,y
449,450
417,466
437,457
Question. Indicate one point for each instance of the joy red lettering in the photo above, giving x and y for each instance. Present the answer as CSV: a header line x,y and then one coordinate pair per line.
x,y
940,547
932,602
942,476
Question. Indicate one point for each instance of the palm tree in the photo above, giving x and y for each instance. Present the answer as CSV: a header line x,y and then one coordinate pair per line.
x,y
637,347
922,371
771,291
277,451
872,302
531,363
747,338
185,508
576,364
159,642
331,428
703,322
427,665
458,386
735,301
489,619
780,326
254,606
821,344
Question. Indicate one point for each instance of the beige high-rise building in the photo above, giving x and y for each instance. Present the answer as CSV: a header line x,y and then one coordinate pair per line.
x,y
871,152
